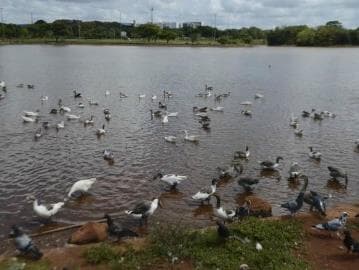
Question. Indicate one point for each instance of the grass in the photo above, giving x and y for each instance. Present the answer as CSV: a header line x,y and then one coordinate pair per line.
x,y
281,240
21,264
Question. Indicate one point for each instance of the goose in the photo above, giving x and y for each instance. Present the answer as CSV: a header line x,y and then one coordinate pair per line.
x,y
44,98
220,212
294,170
296,205
205,193
24,243
338,173
226,94
108,155
117,230
231,171
257,96
38,134
72,117
165,119
155,113
101,131
162,105
81,186
81,105
93,103
246,112
65,109
248,183
144,209
31,114
246,103
30,86
241,154
316,201
28,119
2,84
328,114
171,139
108,116
89,121
351,244
171,179
244,210
46,212
107,93
76,94
60,125
154,97
314,154
53,111
122,95
269,165
298,132
217,109
222,231
172,114
190,138
317,116
208,88
106,111
305,114
203,109
141,96
334,224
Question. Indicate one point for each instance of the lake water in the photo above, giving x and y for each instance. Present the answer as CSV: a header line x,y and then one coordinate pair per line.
x,y
299,79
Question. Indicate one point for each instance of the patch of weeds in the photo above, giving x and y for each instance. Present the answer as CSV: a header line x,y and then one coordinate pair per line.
x,y
100,254
22,264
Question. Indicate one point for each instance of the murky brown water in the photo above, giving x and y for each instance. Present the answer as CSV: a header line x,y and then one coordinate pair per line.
x,y
326,79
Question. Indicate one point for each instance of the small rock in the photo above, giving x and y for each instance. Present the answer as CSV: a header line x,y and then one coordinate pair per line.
x,y
91,232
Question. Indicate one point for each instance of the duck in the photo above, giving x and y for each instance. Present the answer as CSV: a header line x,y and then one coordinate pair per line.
x,y
101,131
60,125
222,231
316,201
171,139
338,173
81,105
154,97
165,119
244,210
2,96
72,117
31,114
294,170
217,109
257,96
171,179
269,165
162,105
190,138
46,212
155,113
106,111
328,114
246,112
298,132
248,183
108,116
293,121
24,243
89,121
108,155
44,98
38,134
118,230
202,114
28,119
223,214
205,125
81,186
314,154
205,193
93,103
334,224
30,86
172,114
122,95
350,243
196,109
107,93
65,109
208,88
53,111
144,209
241,154
76,94
317,116
296,205
305,114
141,96
231,171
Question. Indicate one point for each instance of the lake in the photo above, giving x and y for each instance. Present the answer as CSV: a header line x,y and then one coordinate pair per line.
x,y
299,79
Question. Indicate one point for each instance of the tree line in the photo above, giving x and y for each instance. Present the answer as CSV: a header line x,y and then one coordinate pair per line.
x,y
330,34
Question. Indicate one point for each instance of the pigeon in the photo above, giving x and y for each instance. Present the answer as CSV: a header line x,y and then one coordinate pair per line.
x,y
24,243
296,205
117,230
334,224
351,244
316,201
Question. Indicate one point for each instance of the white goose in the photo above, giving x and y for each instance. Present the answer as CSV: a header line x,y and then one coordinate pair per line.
x,y
38,134
72,117
190,138
27,119
314,154
171,179
60,125
205,193
31,114
44,211
81,186
172,114
220,212
171,139
101,131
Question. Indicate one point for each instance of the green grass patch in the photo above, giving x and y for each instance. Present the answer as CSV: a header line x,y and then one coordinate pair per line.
x,y
21,264
171,244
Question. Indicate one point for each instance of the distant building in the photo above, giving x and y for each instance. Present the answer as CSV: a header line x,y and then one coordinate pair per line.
x,y
170,25
192,24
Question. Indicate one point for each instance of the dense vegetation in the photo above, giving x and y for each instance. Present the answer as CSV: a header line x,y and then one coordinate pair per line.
x,y
330,34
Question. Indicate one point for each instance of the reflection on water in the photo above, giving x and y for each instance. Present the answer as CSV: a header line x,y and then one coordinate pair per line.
x,y
300,79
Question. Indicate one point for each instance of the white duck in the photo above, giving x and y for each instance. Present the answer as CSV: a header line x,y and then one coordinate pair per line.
x,y
190,138
314,154
81,186
101,131
28,119
171,139
142,96
72,117
220,212
246,103
256,96
172,114
205,193
154,97
38,134
60,125
65,109
165,119
44,212
171,179
31,114
81,105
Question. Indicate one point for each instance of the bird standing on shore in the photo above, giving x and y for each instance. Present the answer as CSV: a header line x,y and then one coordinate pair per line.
x,y
296,205
117,230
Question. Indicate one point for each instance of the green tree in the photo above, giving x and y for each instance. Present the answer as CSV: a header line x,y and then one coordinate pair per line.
x,y
306,37
148,31
167,35
59,30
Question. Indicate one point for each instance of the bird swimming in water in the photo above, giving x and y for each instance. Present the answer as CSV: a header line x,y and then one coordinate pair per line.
x,y
46,212
144,209
248,183
269,165
294,170
171,179
81,186
205,193
338,173
220,212
24,243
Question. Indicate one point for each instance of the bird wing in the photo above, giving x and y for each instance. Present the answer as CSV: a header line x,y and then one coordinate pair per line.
x,y
142,207
267,163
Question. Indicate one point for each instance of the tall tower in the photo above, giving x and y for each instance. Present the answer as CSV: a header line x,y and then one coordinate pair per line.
x,y
152,9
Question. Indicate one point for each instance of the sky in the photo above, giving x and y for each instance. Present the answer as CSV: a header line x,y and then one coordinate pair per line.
x,y
222,13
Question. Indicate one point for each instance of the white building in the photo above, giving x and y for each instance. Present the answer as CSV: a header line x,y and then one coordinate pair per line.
x,y
192,24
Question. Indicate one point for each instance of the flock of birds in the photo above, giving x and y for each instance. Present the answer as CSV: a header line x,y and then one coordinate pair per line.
x,y
143,210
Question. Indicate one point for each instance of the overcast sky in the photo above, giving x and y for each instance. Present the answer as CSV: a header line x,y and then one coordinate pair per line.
x,y
229,13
